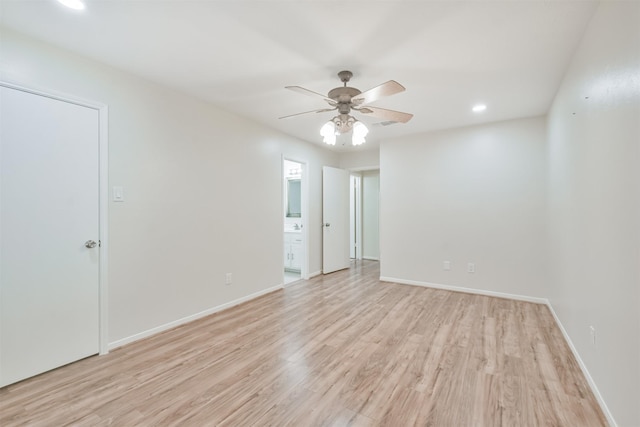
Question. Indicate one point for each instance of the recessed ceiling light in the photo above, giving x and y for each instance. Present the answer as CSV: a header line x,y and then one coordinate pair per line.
x,y
73,4
478,108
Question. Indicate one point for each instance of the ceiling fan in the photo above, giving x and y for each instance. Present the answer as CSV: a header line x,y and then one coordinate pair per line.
x,y
346,99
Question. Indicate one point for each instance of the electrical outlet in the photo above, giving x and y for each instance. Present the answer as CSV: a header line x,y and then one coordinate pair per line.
x,y
592,331
228,279
446,265
471,267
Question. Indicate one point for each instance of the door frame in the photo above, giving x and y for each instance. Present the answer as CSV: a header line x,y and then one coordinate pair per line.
x,y
304,211
103,195
355,202
359,202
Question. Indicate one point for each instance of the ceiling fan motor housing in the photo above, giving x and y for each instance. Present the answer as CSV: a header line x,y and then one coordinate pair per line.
x,y
343,96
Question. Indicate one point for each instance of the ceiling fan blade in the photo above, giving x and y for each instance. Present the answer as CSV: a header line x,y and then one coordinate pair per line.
x,y
307,112
385,89
310,93
391,115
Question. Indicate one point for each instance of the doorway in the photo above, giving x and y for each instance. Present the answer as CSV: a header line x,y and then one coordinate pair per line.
x,y
364,224
53,225
355,216
295,210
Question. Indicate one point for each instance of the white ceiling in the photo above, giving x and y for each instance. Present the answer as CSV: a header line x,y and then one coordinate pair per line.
x,y
239,54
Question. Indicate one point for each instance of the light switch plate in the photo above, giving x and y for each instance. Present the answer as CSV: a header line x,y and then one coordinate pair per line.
x,y
118,194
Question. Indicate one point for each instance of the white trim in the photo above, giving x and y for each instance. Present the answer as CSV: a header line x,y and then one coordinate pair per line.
x,y
535,300
358,215
354,221
584,369
191,318
314,274
103,195
305,218
365,168
370,258
104,228
295,282
58,96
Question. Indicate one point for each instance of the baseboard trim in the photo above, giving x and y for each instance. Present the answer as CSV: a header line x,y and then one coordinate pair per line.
x,y
191,318
286,285
583,367
314,274
525,298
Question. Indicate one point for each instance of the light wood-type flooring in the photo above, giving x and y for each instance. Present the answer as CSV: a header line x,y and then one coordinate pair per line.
x,y
340,349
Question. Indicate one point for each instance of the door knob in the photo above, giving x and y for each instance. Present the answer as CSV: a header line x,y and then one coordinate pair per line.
x,y
90,244
326,224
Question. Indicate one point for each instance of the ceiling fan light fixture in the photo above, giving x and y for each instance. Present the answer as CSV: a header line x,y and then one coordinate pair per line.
x,y
360,131
357,140
328,133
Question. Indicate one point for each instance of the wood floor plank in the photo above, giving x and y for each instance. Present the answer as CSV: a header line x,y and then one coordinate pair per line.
x,y
341,349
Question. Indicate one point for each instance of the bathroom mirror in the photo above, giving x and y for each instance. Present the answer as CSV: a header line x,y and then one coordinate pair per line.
x,y
294,198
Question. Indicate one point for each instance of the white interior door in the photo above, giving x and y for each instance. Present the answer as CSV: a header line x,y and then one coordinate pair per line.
x,y
335,214
49,208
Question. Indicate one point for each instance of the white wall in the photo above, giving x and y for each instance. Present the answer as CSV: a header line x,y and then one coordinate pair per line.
x,y
594,212
474,194
370,214
361,159
203,190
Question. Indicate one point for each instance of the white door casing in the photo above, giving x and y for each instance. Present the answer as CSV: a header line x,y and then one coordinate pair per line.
x,y
355,216
50,206
335,216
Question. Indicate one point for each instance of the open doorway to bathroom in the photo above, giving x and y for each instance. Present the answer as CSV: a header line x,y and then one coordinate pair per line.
x,y
294,191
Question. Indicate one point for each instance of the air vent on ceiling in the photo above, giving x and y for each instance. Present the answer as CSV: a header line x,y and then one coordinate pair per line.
x,y
387,123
